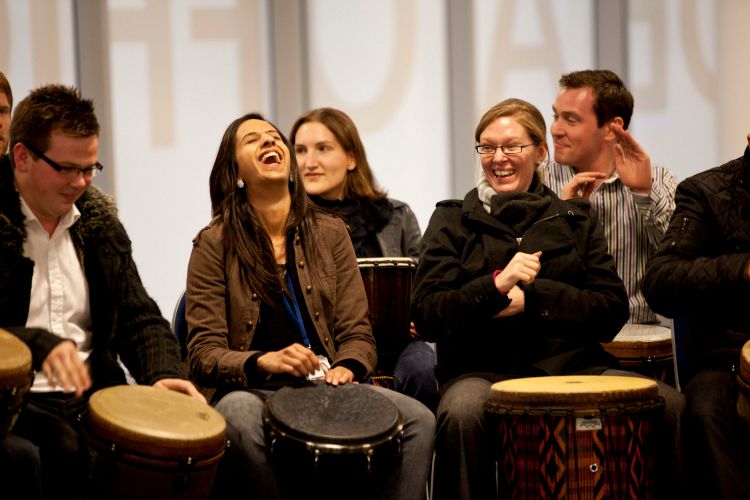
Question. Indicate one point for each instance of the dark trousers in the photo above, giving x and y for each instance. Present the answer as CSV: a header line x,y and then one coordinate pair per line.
x,y
716,441
50,423
20,469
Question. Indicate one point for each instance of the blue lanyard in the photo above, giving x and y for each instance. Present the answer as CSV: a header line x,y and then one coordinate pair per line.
x,y
293,310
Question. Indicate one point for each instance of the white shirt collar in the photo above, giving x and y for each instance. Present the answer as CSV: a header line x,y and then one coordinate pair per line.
x,y
66,220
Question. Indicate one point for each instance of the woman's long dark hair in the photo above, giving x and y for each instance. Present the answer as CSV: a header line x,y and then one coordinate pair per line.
x,y
243,234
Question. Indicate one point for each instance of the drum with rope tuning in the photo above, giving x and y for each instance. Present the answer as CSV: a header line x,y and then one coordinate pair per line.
x,y
576,436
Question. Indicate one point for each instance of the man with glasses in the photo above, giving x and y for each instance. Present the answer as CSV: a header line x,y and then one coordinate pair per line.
x,y
68,284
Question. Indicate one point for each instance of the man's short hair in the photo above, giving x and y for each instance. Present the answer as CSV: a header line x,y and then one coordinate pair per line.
x,y
611,97
52,108
5,89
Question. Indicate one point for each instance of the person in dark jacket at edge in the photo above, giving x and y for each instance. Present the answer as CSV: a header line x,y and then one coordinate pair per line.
x,y
701,274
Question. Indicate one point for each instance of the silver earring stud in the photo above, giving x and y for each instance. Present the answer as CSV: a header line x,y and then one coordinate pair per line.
x,y
240,183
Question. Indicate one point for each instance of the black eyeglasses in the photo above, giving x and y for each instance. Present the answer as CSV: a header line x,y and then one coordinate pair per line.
x,y
70,172
491,149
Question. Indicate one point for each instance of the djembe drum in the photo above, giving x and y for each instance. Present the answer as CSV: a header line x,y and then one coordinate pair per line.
x,y
15,379
338,439
148,442
743,384
576,436
387,283
645,349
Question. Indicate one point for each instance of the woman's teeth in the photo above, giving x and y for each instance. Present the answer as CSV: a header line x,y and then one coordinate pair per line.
x,y
504,173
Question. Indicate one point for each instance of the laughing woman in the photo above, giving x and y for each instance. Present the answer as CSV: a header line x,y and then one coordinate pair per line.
x,y
513,282
273,293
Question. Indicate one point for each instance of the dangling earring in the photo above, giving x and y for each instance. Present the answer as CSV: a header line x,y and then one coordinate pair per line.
x,y
240,183
291,179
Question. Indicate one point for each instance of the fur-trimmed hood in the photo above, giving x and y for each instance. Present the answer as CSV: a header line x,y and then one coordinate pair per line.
x,y
98,213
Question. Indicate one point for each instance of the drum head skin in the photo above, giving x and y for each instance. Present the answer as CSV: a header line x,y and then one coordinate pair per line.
x,y
160,422
574,391
345,414
15,360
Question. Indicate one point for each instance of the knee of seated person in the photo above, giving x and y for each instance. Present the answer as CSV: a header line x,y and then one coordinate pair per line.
x,y
241,402
460,411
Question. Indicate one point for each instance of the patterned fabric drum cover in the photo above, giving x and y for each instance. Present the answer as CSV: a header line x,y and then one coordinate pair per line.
x,y
645,349
148,442
342,439
15,379
388,287
576,436
743,383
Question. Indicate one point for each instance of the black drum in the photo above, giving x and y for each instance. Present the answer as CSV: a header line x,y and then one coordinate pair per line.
x,y
341,440
15,379
388,286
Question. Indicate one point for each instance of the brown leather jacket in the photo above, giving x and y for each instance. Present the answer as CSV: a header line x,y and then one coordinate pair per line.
x,y
222,314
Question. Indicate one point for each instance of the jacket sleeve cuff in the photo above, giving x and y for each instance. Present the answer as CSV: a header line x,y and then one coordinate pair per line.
x,y
357,368
254,377
39,341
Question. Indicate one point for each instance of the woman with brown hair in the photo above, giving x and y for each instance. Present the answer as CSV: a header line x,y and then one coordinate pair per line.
x,y
337,177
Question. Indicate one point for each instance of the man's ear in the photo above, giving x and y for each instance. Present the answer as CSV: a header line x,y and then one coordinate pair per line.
x,y
21,157
609,135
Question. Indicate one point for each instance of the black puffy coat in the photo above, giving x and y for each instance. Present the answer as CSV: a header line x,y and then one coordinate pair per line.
x,y
576,301
698,272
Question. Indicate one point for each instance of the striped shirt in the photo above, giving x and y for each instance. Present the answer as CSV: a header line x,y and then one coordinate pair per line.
x,y
633,225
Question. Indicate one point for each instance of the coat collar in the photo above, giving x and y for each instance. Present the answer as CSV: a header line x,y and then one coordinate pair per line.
x,y
474,211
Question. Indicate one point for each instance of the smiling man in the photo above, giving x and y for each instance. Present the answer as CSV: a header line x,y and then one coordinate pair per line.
x,y
68,284
596,158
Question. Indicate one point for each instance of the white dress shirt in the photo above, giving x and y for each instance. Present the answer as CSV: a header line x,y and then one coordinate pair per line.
x,y
59,291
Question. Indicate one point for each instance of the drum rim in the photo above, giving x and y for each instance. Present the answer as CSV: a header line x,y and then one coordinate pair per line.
x,y
387,262
274,428
653,404
127,454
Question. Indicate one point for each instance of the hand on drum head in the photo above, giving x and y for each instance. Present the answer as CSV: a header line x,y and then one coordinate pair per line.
x,y
64,368
295,359
339,375
180,385
522,267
